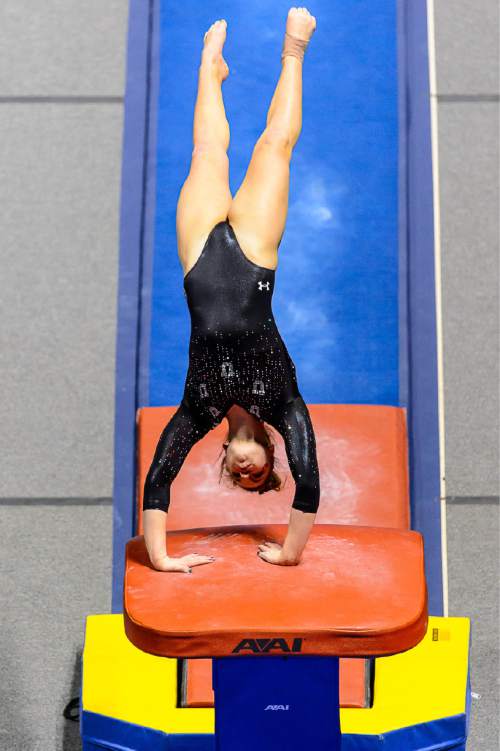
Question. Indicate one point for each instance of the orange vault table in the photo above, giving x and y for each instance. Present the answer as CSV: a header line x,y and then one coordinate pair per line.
x,y
276,633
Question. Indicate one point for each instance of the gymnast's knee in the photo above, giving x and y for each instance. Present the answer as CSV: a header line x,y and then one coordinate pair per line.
x,y
277,137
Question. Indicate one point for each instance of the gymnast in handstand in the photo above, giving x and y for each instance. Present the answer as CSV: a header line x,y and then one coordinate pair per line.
x,y
239,367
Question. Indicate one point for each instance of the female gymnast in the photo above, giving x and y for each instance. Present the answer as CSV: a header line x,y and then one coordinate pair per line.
x,y
239,366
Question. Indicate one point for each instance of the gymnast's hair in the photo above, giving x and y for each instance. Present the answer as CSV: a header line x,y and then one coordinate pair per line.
x,y
272,481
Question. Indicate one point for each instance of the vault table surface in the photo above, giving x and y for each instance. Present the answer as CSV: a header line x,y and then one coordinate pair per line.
x,y
357,591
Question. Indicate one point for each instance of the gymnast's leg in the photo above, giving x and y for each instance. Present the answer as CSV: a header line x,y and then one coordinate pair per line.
x,y
205,196
259,209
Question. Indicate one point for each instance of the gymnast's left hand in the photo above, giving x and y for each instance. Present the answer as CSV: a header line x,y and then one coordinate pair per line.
x,y
272,552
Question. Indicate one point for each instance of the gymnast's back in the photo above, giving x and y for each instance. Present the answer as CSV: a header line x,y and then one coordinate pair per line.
x,y
236,356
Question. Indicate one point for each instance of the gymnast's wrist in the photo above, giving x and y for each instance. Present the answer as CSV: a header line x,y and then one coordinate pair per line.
x,y
157,559
290,557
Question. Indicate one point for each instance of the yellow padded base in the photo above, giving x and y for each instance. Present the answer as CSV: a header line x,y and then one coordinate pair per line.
x,y
422,684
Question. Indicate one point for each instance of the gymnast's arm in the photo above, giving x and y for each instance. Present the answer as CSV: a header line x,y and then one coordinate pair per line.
x,y
294,424
178,437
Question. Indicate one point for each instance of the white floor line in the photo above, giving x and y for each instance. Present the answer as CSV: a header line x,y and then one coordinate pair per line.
x,y
431,43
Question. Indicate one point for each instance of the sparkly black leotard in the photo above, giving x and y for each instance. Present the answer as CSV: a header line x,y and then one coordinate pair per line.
x,y
236,356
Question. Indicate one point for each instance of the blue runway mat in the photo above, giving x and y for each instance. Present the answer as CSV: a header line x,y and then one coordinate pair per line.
x,y
336,295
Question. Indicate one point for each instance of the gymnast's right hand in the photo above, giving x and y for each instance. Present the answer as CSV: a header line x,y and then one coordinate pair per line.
x,y
184,564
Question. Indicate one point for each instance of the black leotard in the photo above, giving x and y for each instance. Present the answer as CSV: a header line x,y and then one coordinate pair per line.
x,y
236,355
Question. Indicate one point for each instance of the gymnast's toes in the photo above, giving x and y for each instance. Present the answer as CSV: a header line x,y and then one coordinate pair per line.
x,y
213,42
300,23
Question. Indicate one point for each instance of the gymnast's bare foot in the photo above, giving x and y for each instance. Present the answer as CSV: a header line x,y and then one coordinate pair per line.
x,y
300,23
213,43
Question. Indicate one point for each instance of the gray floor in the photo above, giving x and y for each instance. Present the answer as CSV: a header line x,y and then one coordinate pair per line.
x,y
473,560
56,569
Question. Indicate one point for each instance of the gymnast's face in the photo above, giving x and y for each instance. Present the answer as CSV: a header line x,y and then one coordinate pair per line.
x,y
248,461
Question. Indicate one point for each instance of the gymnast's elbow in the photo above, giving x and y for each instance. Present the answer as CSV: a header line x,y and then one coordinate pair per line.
x,y
155,497
306,498
154,505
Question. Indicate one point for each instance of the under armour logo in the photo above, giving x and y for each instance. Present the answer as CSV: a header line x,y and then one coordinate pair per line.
x,y
203,390
264,285
227,369
254,409
258,387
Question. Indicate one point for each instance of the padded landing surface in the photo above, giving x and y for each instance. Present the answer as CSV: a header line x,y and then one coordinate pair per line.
x,y
363,464
358,591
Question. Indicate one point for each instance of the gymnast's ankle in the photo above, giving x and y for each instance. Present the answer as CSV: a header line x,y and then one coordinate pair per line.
x,y
293,47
